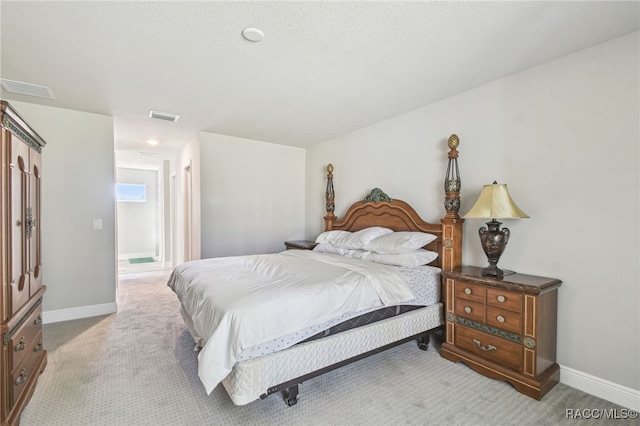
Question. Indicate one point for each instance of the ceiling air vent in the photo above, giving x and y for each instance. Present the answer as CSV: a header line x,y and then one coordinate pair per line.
x,y
28,89
164,115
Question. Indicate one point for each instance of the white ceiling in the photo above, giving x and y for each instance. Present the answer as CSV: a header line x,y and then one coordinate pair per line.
x,y
324,68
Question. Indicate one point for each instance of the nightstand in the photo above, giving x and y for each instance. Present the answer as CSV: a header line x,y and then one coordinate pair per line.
x,y
300,245
503,328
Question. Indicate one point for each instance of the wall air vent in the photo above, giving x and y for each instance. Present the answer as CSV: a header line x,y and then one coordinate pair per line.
x,y
27,89
163,116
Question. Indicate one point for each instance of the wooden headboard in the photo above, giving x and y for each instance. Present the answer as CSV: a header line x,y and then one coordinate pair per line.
x,y
378,209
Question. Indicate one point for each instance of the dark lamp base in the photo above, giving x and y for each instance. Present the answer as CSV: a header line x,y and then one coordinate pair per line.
x,y
494,240
492,271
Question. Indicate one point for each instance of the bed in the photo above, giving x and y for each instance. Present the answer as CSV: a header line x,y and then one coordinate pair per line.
x,y
264,324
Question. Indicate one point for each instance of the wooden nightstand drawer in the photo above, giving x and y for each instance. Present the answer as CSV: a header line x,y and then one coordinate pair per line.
x,y
468,309
492,348
505,320
468,291
504,299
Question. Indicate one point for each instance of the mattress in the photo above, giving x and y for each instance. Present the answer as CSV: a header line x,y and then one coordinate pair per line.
x,y
251,379
424,282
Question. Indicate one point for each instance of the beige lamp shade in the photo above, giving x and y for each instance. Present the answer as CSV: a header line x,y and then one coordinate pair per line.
x,y
495,202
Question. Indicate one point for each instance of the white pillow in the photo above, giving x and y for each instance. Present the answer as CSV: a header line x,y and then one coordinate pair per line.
x,y
331,236
357,240
331,249
416,258
399,242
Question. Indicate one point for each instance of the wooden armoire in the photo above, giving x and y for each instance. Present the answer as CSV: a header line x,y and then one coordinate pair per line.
x,y
23,357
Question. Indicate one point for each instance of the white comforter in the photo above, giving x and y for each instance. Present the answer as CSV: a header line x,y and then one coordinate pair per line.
x,y
234,303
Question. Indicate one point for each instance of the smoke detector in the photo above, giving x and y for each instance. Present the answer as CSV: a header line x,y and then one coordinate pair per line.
x,y
253,34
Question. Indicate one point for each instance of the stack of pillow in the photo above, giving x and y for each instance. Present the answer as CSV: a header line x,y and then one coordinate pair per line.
x,y
378,244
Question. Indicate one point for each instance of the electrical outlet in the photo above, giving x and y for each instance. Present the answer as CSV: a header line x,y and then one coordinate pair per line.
x,y
97,223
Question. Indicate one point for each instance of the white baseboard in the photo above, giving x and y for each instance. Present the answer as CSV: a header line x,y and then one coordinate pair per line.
x,y
79,312
613,392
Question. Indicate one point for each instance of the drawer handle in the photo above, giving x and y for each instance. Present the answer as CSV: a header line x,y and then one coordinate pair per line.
x,y
467,290
484,348
38,320
22,377
501,298
20,346
467,309
500,318
38,347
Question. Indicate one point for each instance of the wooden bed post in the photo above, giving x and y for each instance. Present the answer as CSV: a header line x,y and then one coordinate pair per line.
x,y
452,222
329,197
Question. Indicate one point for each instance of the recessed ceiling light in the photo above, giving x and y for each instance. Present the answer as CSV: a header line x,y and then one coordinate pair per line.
x,y
152,141
253,34
28,89
164,115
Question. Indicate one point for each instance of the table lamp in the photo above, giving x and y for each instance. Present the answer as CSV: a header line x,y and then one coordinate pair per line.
x,y
494,203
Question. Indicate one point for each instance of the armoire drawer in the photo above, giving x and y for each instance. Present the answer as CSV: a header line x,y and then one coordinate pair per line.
x,y
24,337
25,371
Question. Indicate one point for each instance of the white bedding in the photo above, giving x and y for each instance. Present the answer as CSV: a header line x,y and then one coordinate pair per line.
x,y
424,282
234,303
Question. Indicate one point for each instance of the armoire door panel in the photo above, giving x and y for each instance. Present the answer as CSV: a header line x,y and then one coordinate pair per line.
x,y
34,237
19,181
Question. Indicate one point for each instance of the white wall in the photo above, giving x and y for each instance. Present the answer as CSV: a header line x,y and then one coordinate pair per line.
x,y
564,136
138,221
252,195
78,185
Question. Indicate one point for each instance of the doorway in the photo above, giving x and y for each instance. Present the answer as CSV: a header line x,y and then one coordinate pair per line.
x,y
140,220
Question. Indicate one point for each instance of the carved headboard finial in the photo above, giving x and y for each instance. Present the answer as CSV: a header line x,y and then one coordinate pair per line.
x,y
453,143
376,195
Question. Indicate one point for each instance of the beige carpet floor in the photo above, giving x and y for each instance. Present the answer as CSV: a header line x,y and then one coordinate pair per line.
x,y
137,367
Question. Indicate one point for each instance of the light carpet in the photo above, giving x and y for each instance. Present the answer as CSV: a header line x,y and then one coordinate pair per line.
x,y
138,367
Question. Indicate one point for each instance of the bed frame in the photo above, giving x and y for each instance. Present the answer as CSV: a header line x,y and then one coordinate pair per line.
x,y
378,209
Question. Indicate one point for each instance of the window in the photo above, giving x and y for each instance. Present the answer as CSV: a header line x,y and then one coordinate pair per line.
x,y
131,192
